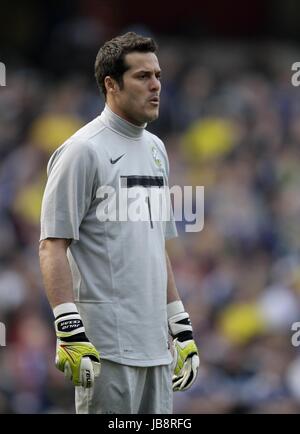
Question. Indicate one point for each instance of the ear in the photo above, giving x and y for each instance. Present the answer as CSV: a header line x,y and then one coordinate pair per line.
x,y
111,85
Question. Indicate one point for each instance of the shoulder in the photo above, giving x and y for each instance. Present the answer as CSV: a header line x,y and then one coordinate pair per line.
x,y
73,152
157,141
81,146
90,134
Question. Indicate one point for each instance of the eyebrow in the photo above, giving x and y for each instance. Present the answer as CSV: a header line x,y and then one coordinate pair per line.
x,y
147,71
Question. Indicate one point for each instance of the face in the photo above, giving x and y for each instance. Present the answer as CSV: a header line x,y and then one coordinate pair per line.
x,y
138,100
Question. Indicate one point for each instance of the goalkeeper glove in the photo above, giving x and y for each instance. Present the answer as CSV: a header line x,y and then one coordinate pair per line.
x,y
186,358
76,357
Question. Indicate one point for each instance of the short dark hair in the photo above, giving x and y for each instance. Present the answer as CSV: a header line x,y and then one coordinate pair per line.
x,y
110,59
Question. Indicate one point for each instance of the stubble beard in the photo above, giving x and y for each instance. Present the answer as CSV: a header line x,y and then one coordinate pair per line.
x,y
152,117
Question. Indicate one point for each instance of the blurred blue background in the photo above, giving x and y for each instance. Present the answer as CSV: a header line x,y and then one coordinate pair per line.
x,y
230,119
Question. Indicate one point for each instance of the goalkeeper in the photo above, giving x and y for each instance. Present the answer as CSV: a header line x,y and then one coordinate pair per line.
x,y
110,282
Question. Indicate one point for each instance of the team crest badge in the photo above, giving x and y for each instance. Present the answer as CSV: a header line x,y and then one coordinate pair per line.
x,y
156,157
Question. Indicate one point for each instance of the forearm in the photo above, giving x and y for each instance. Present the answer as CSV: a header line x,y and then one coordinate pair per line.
x,y
76,356
172,292
56,271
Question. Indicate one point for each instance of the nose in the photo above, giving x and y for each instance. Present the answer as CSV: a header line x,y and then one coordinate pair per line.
x,y
155,84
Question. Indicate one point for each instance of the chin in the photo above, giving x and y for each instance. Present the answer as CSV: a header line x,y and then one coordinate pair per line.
x,y
150,117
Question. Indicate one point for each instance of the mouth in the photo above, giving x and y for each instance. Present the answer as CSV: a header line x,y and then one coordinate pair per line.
x,y
154,100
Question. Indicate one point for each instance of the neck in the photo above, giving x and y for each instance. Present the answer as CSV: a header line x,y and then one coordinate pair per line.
x,y
119,112
118,123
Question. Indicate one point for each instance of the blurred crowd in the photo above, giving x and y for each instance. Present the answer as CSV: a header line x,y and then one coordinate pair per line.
x,y
230,119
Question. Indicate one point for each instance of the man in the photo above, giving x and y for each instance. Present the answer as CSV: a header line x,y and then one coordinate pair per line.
x,y
110,282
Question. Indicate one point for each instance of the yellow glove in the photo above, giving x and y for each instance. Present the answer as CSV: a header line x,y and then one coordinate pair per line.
x,y
185,358
76,357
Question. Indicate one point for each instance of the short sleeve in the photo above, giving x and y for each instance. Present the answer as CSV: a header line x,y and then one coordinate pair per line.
x,y
68,194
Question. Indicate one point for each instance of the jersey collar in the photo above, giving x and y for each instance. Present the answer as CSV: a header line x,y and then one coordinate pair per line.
x,y
118,124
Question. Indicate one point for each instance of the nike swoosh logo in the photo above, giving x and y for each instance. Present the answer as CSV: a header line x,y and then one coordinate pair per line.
x,y
117,159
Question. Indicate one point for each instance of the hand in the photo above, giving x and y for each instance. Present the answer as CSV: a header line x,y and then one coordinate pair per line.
x,y
76,357
185,358
79,361
186,364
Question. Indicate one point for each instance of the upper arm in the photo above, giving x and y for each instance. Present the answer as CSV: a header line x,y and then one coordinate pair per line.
x,y
69,192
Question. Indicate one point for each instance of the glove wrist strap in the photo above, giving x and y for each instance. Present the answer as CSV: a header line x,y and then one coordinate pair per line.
x,y
174,308
68,323
179,321
64,308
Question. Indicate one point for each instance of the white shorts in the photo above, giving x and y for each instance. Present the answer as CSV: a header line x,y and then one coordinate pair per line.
x,y
122,389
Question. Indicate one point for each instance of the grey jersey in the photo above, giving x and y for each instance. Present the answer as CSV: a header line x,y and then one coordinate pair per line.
x,y
118,267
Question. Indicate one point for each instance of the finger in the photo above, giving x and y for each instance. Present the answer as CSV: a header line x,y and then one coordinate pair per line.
x,y
176,382
86,373
187,372
194,367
